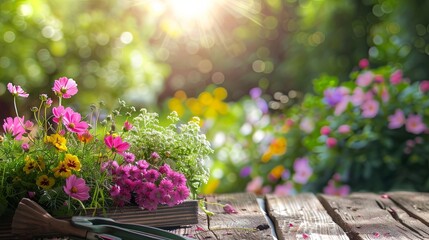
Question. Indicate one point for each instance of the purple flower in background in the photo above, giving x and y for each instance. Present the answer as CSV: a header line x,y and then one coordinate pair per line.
x,y
365,79
245,171
396,120
255,92
262,105
414,124
128,157
333,96
370,108
303,171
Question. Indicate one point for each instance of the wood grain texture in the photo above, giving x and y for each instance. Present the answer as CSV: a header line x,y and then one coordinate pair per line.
x,y
415,204
372,216
248,223
301,216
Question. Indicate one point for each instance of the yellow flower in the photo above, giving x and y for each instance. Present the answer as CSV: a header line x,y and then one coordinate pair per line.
x,y
62,170
45,182
41,163
58,141
72,162
30,165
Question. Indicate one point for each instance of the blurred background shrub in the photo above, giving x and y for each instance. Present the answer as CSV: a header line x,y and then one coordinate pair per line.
x,y
246,67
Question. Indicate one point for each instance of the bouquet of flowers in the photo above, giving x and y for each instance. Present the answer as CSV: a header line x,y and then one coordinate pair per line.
x,y
69,163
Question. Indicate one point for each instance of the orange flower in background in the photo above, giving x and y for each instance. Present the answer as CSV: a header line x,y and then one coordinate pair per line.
x,y
85,137
277,171
277,147
208,104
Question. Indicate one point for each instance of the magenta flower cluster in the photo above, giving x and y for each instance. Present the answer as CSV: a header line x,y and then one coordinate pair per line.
x,y
147,186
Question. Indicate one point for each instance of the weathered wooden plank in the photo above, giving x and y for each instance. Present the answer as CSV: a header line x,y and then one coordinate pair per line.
x,y
197,231
373,216
414,203
248,223
302,216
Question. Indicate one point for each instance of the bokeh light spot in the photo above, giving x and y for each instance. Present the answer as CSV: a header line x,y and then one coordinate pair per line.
x,y
126,37
258,66
205,66
218,78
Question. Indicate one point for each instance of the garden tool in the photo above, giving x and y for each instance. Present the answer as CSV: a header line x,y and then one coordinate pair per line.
x,y
31,220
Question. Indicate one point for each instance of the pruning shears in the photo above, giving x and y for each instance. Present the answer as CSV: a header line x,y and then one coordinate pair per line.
x,y
108,229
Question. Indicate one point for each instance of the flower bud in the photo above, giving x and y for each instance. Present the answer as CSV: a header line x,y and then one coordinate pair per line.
x,y
363,63
325,130
25,147
115,113
43,97
34,109
331,142
424,86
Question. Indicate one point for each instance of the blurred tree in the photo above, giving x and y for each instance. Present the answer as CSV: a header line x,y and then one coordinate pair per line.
x,y
283,45
103,45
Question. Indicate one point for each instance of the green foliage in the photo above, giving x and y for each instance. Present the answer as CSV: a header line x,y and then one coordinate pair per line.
x,y
372,155
181,145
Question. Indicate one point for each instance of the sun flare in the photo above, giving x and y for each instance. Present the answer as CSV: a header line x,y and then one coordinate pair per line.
x,y
190,9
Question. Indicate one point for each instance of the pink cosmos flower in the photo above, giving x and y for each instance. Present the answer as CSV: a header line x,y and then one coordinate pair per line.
x,y
71,121
396,77
414,124
363,63
65,87
59,113
76,188
331,142
116,144
303,171
16,90
396,120
343,129
48,102
365,79
424,86
16,126
370,108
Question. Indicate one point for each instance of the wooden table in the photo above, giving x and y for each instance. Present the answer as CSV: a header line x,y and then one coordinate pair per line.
x,y
394,215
